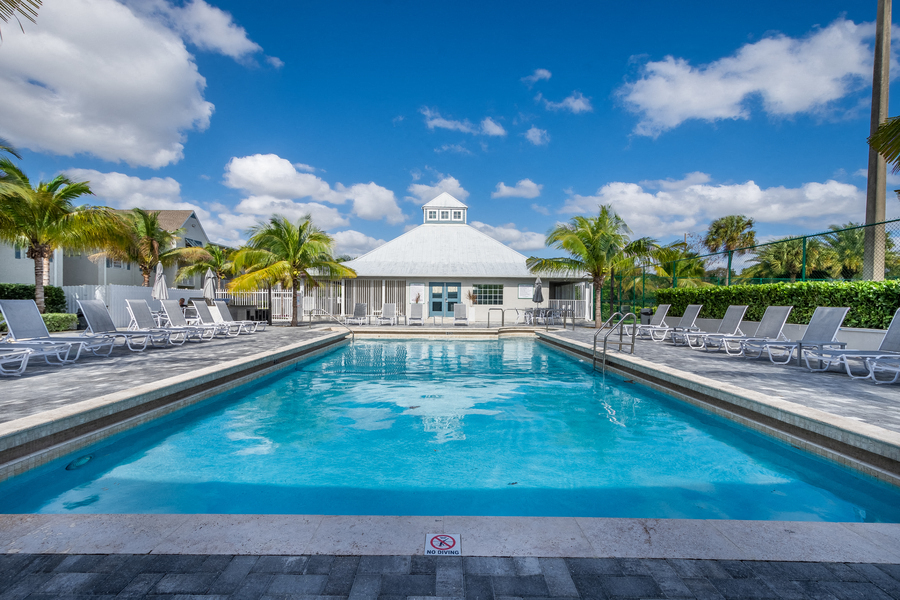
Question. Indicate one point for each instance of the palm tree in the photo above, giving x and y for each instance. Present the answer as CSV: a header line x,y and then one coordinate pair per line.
x,y
676,262
26,8
733,233
292,254
144,242
784,260
5,146
599,246
43,219
729,234
219,260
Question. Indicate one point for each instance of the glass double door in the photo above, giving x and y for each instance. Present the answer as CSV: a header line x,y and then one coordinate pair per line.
x,y
442,297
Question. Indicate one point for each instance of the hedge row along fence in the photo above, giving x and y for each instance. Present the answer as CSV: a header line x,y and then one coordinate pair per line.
x,y
54,298
54,321
872,303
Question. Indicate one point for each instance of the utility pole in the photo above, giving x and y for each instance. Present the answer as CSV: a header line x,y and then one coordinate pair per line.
x,y
873,256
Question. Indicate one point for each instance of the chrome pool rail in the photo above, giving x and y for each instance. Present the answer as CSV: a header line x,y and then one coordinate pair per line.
x,y
612,327
323,312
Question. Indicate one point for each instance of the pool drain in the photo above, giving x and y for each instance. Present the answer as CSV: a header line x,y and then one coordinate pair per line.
x,y
79,462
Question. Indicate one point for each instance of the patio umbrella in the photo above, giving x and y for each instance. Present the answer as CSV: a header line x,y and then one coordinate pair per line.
x,y
160,291
538,296
209,285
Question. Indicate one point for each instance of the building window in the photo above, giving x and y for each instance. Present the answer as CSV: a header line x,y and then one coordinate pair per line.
x,y
20,252
113,264
432,215
488,293
189,243
445,215
457,215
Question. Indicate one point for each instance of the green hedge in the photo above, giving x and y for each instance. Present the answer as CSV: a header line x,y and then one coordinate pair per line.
x,y
55,322
872,303
54,298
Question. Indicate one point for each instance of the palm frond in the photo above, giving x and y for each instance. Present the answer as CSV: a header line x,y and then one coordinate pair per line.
x,y
886,141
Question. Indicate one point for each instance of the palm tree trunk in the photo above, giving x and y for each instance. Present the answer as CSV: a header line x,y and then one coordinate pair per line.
x,y
296,284
598,298
46,261
146,275
38,258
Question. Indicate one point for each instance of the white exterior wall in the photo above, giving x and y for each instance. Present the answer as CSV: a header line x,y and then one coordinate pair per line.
x,y
21,270
80,270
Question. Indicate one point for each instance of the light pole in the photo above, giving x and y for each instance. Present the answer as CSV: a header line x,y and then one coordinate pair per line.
x,y
873,254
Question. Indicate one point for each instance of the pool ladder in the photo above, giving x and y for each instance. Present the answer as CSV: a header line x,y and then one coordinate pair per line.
x,y
321,312
612,327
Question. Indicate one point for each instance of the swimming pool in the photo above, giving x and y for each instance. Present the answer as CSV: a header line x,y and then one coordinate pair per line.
x,y
509,427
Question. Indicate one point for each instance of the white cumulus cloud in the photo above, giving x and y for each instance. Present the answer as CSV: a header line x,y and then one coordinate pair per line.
x,y
263,207
538,137
94,77
512,236
207,27
422,193
488,126
575,103
672,207
491,127
525,188
270,176
434,120
538,74
373,202
354,243
790,75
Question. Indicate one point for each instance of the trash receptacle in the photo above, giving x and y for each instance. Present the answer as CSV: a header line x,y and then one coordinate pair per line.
x,y
646,314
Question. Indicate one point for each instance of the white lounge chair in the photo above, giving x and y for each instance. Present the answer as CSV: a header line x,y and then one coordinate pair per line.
x,y
99,321
142,319
360,315
225,313
207,318
175,318
657,320
26,327
883,364
459,314
13,360
416,315
820,333
889,348
687,324
729,327
388,314
770,328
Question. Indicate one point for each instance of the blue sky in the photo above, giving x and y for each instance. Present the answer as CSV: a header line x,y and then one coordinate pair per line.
x,y
359,112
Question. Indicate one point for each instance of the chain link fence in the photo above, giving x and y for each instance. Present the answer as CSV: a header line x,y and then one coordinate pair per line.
x,y
833,255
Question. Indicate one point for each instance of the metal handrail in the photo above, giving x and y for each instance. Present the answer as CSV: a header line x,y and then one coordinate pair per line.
x,y
336,320
617,325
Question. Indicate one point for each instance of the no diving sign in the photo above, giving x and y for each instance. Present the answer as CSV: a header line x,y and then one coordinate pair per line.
x,y
446,544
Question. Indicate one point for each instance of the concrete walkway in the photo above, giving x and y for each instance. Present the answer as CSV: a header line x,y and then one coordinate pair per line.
x,y
44,387
831,391
328,577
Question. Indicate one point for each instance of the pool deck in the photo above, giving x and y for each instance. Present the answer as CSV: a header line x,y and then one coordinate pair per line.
x,y
235,555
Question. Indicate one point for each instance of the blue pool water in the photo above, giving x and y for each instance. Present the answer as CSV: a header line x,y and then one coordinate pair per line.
x,y
453,427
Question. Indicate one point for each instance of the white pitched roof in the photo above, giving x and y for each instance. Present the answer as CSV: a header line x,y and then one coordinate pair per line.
x,y
442,250
444,200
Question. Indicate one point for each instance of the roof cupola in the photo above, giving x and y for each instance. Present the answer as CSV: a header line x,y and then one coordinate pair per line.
x,y
445,210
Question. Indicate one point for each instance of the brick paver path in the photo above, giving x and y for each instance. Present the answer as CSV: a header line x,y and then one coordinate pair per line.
x,y
35,576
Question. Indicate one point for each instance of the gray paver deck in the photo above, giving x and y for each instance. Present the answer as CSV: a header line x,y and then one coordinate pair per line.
x,y
54,576
44,387
831,391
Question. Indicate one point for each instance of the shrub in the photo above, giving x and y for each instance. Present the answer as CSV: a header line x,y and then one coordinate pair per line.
x,y
54,298
55,321
872,303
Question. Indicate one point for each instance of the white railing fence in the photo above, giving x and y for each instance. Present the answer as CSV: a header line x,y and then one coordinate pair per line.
x,y
114,297
579,306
